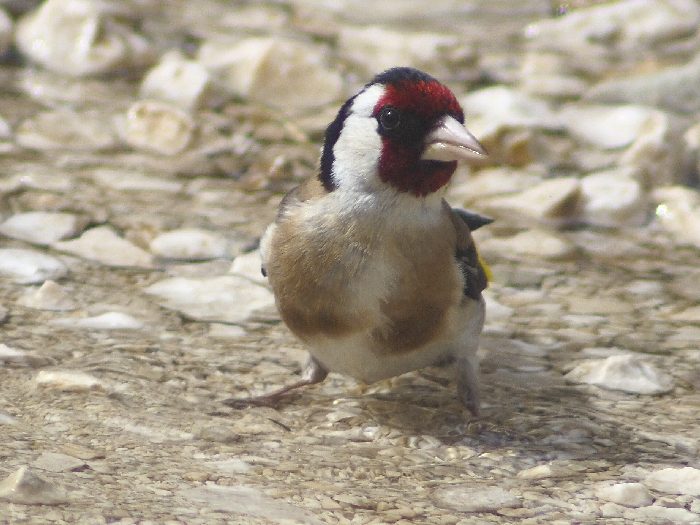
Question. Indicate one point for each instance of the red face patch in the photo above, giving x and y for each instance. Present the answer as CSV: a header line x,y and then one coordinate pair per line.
x,y
427,99
422,104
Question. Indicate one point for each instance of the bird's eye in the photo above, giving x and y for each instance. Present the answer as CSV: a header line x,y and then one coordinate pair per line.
x,y
390,118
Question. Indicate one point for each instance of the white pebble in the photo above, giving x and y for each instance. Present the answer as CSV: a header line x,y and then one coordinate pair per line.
x,y
684,480
65,129
68,381
157,127
41,227
529,243
49,296
177,80
470,498
128,180
226,299
678,212
28,267
627,494
189,244
629,373
105,321
79,38
282,73
613,198
248,265
26,488
103,245
552,200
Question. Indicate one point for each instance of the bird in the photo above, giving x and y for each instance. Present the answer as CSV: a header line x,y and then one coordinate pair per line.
x,y
370,267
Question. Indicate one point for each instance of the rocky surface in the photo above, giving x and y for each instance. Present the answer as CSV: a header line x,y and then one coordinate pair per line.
x,y
145,146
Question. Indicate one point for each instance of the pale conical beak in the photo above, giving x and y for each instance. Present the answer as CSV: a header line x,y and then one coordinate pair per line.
x,y
450,141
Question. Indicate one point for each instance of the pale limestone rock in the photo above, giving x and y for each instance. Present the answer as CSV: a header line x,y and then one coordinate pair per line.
x,y
491,182
29,267
68,381
661,515
678,212
684,480
157,127
177,80
105,321
248,265
550,74
189,244
626,494
248,501
130,180
628,27
529,243
23,486
471,498
547,471
607,127
103,245
66,129
79,38
56,462
49,296
628,373
13,358
286,74
226,299
613,198
41,227
552,200
376,48
688,315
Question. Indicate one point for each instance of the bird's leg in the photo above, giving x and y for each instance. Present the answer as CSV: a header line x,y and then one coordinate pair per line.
x,y
468,383
313,373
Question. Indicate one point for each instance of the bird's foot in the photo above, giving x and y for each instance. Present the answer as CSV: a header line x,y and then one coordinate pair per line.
x,y
468,385
313,373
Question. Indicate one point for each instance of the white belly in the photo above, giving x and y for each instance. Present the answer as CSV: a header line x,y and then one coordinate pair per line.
x,y
354,356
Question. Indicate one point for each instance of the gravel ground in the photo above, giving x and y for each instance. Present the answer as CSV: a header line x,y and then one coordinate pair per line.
x,y
131,304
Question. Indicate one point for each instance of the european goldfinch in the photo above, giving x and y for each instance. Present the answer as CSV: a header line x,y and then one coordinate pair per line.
x,y
369,265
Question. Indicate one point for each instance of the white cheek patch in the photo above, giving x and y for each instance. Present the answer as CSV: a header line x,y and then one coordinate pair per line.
x,y
359,145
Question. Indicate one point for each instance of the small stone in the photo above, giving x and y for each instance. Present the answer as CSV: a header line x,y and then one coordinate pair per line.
x,y
18,358
248,265
684,480
103,245
55,462
157,127
678,212
628,373
470,498
664,515
29,267
40,227
129,180
189,244
65,129
224,299
606,127
248,501
530,243
79,38
69,381
278,72
176,80
49,296
226,331
6,419
689,315
376,48
613,198
553,200
26,488
627,494
546,471
105,321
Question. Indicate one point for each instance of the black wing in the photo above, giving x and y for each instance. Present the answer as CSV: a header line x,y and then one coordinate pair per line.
x,y
475,280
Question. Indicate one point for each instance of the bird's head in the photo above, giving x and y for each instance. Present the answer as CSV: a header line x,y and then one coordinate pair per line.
x,y
404,130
